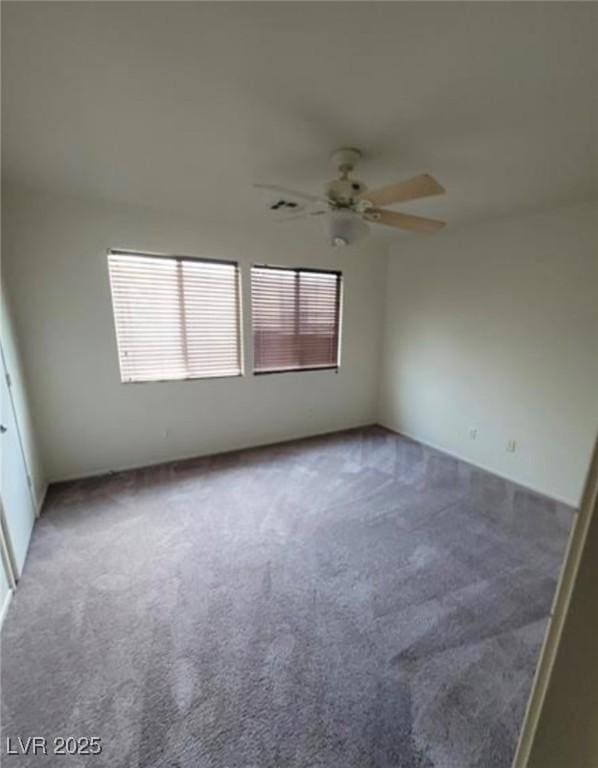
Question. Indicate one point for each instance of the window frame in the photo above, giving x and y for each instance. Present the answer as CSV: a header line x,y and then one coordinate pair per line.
x,y
339,313
178,257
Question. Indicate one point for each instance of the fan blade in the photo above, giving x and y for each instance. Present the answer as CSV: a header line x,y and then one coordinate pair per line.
x,y
290,192
412,189
305,215
404,221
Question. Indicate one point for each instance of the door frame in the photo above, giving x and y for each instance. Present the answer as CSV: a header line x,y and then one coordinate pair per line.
x,y
558,614
8,378
7,557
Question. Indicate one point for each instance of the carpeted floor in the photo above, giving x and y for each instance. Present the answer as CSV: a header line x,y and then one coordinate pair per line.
x,y
349,601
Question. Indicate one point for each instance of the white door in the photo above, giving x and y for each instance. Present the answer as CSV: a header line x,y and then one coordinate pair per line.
x,y
17,500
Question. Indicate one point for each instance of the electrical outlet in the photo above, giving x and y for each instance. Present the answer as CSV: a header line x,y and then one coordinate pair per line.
x,y
473,433
512,446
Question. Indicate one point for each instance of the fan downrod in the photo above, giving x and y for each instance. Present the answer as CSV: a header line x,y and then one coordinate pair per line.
x,y
346,159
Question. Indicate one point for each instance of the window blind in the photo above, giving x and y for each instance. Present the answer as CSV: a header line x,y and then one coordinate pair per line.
x,y
295,317
175,317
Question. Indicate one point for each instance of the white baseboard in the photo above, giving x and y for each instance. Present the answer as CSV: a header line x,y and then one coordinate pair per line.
x,y
4,607
263,443
486,468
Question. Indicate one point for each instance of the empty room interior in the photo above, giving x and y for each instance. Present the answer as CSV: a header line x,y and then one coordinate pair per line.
x,y
299,380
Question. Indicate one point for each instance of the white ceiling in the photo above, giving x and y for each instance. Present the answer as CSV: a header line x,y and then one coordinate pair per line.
x,y
182,106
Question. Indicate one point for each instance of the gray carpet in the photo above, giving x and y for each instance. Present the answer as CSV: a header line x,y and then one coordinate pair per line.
x,y
350,601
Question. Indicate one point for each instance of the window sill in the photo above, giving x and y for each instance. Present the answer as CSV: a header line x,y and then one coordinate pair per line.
x,y
334,368
185,378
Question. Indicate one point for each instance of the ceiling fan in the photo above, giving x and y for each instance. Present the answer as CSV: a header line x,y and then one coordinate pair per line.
x,y
350,206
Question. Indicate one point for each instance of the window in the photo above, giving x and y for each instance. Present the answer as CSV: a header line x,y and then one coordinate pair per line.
x,y
175,317
296,317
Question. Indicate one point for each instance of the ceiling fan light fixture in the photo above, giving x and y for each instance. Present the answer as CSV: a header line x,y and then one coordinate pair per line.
x,y
349,206
338,241
346,227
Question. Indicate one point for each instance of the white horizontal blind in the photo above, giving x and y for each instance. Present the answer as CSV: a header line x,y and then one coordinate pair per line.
x,y
295,315
175,318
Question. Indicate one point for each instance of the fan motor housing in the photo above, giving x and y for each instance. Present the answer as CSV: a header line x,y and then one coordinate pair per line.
x,y
345,192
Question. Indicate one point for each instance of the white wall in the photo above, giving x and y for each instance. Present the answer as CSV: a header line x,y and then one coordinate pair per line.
x,y
20,392
56,272
495,327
